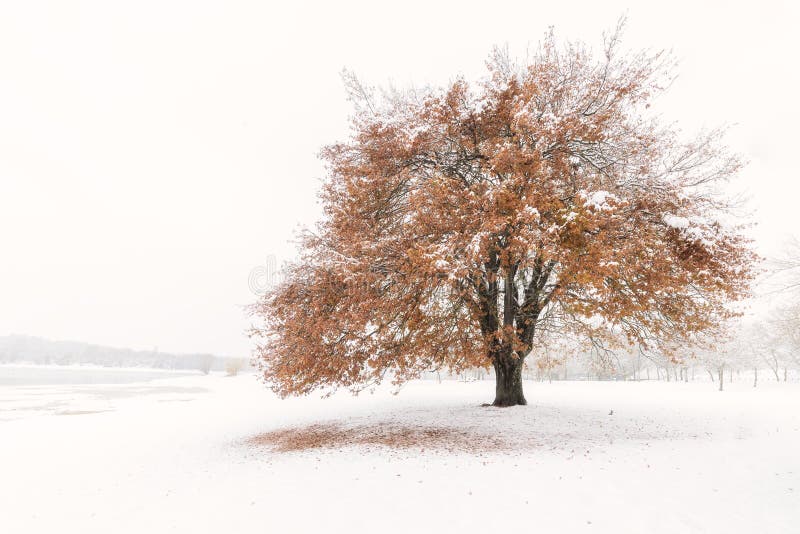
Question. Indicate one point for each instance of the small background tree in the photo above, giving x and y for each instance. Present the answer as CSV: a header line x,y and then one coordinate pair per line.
x,y
205,362
233,366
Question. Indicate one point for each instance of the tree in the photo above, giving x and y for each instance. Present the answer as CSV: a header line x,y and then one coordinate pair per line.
x,y
205,362
741,350
783,330
233,366
766,347
464,225
783,273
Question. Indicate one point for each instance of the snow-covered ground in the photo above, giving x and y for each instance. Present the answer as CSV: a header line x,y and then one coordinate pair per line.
x,y
188,454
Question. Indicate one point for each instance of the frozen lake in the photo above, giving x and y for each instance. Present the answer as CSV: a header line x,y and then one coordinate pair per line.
x,y
29,390
43,375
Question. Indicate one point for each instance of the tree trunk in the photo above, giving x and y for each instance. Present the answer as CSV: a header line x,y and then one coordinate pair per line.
x,y
755,376
784,374
721,375
508,385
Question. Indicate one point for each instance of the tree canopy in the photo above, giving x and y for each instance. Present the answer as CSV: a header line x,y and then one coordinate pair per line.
x,y
468,225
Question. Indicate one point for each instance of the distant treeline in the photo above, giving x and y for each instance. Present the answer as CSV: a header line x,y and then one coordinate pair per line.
x,y
26,349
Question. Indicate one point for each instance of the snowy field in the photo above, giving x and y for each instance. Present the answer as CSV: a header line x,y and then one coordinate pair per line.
x,y
206,454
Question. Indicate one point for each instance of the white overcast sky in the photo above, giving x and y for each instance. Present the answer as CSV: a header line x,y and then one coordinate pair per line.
x,y
153,153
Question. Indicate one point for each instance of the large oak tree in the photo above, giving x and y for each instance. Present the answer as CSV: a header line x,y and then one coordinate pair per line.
x,y
468,225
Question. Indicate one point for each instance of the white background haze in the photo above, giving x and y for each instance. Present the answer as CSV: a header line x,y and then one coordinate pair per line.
x,y
153,153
